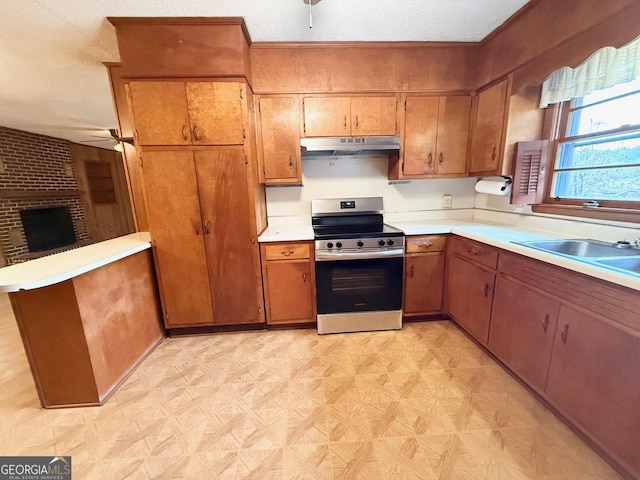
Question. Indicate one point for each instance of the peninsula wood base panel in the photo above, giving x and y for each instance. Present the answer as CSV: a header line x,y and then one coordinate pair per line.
x,y
85,335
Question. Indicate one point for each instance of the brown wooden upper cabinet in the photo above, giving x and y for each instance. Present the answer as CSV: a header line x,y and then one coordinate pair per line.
x,y
435,140
279,139
346,116
191,113
487,137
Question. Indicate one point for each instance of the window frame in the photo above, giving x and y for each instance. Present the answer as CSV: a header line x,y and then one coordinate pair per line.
x,y
555,128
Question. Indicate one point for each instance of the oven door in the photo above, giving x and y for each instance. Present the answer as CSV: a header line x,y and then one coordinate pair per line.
x,y
365,285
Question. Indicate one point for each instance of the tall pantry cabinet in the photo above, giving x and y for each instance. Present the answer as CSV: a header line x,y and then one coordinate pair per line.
x,y
205,205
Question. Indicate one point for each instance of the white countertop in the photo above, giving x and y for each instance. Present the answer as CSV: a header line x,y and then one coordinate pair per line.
x,y
287,229
59,267
498,235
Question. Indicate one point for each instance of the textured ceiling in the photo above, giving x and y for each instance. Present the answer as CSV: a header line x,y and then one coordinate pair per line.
x,y
52,80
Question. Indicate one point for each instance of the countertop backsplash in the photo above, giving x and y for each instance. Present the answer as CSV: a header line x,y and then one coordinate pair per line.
x,y
345,176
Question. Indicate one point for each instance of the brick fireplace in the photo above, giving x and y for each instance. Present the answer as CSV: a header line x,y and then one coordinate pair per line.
x,y
36,172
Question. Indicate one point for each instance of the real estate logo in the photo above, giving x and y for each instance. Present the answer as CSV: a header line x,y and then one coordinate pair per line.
x,y
35,468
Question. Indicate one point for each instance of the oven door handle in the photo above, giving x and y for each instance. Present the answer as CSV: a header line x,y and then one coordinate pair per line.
x,y
338,256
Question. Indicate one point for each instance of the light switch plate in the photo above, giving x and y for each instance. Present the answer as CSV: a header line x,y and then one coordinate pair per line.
x,y
447,201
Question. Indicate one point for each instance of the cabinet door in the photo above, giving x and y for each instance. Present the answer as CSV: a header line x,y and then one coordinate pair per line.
x,y
486,139
594,378
289,284
327,116
373,116
177,235
424,277
232,249
160,113
523,324
215,113
453,135
470,294
421,125
280,139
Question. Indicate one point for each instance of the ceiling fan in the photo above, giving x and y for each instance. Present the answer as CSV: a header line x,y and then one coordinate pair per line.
x,y
115,136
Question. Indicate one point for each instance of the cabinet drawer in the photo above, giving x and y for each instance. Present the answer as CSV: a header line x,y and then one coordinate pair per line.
x,y
476,252
285,251
427,243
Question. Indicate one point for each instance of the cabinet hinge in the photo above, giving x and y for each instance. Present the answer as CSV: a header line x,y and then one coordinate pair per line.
x,y
402,167
259,111
141,162
166,316
246,160
241,93
244,133
264,171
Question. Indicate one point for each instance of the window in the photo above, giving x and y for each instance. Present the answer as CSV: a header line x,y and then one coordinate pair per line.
x,y
598,153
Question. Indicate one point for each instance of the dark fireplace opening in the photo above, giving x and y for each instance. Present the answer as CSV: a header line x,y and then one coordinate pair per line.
x,y
47,228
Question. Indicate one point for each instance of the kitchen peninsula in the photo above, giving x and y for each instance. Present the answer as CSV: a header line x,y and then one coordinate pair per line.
x,y
87,317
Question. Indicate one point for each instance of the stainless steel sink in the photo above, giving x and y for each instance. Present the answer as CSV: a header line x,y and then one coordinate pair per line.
x,y
582,248
627,264
622,258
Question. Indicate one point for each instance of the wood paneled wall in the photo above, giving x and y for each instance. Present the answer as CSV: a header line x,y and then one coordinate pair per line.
x,y
104,220
362,67
548,34
541,37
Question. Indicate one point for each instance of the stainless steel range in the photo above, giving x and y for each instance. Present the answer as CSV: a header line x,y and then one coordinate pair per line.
x,y
359,266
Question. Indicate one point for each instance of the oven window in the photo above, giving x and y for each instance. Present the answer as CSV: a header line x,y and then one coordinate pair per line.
x,y
357,281
359,285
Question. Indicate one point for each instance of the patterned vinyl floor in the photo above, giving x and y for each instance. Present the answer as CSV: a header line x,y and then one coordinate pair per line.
x,y
421,403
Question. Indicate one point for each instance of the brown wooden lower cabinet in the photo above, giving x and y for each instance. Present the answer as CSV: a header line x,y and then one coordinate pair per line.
x,y
594,379
523,324
470,296
575,340
288,271
424,275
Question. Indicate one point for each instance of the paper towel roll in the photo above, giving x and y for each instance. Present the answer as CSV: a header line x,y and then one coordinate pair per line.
x,y
492,187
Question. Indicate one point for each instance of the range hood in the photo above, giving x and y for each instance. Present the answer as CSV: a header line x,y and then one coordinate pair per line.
x,y
332,146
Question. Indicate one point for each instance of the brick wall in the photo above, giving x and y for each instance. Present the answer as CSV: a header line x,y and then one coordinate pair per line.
x,y
34,162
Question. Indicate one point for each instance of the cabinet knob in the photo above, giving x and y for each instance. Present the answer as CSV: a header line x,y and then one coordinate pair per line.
x,y
184,133
564,333
430,159
411,272
304,277
290,162
196,135
493,153
196,226
441,160
486,290
545,322
357,122
207,227
345,122
287,253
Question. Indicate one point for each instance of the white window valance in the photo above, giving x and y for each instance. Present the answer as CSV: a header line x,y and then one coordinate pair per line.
x,y
605,68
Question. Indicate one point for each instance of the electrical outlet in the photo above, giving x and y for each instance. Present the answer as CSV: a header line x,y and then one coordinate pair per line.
x,y
447,201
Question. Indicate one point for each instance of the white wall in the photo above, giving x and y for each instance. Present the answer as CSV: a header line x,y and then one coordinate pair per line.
x,y
331,177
